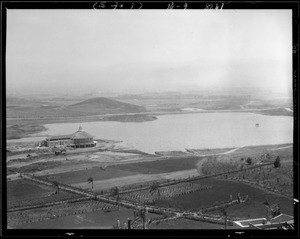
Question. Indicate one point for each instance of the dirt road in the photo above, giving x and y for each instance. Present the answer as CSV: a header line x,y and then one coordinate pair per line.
x,y
139,178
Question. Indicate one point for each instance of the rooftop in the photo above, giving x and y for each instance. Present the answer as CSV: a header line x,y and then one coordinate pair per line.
x,y
81,134
281,218
59,137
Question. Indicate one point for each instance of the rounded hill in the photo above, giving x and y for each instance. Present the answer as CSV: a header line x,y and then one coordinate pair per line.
x,y
102,105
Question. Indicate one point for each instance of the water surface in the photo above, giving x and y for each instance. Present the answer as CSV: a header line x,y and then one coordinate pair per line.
x,y
195,130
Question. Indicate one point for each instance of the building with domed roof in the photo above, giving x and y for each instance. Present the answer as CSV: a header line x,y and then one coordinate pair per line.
x,y
79,139
82,139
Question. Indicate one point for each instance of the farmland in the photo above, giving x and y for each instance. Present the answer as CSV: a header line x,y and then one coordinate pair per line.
x,y
144,170
278,179
221,191
82,214
23,193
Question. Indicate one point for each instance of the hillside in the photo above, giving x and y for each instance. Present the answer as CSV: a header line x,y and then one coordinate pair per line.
x,y
103,105
94,106
129,118
277,111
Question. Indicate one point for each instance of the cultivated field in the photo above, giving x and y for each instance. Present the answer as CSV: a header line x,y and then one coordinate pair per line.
x,y
131,171
21,193
220,191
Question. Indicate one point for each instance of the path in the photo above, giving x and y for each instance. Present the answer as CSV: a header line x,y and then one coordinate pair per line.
x,y
285,147
139,178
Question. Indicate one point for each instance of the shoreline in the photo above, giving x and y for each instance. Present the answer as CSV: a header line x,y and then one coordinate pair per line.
x,y
19,128
269,111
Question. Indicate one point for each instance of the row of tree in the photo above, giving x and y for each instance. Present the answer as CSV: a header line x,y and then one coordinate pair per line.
x,y
276,161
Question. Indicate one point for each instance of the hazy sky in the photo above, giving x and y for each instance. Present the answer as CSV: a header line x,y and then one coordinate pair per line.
x,y
147,50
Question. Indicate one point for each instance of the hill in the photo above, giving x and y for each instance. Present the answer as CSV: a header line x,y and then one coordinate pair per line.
x,y
102,105
129,118
93,106
277,111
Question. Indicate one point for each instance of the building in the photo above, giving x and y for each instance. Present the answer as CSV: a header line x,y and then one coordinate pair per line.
x,y
64,140
82,139
79,139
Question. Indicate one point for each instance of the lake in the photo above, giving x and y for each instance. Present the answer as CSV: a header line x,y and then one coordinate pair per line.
x,y
193,131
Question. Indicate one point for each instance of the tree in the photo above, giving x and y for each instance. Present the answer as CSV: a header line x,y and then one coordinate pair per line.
x,y
142,213
91,180
277,162
115,192
266,203
56,184
275,210
225,217
249,161
155,188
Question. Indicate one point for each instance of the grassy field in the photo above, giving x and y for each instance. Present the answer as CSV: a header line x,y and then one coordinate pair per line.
x,y
123,170
280,179
38,166
276,179
163,166
255,207
24,193
98,220
96,173
85,215
221,191
255,152
187,224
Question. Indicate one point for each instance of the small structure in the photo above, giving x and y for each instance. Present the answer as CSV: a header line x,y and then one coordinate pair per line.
x,y
79,139
64,140
282,221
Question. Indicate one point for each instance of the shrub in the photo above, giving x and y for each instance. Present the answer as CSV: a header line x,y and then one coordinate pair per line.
x,y
249,161
277,162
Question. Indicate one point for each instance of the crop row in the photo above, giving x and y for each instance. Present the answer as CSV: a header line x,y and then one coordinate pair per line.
x,y
69,209
148,196
48,198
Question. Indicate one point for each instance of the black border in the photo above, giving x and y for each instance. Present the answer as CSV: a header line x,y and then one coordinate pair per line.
x,y
177,5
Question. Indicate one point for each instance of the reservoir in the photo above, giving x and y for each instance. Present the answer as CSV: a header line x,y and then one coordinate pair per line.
x,y
192,131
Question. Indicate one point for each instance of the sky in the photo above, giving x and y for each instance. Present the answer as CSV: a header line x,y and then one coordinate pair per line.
x,y
66,51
